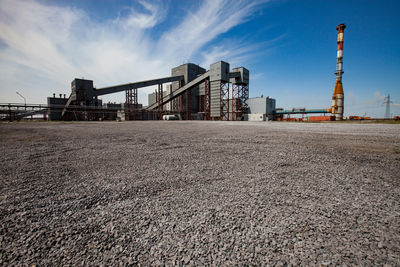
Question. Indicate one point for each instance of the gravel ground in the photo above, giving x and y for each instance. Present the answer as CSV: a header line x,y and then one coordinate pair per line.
x,y
199,193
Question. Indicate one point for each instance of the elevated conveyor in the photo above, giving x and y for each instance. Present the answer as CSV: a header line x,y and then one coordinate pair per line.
x,y
124,87
71,98
302,111
181,90
83,91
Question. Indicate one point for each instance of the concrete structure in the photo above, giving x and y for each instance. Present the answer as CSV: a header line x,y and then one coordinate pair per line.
x,y
209,92
83,90
219,76
56,105
152,97
262,106
189,72
240,79
243,76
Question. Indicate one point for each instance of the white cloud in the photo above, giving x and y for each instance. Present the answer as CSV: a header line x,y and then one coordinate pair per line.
x,y
46,46
155,14
31,41
209,21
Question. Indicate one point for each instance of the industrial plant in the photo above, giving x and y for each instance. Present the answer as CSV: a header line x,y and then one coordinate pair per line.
x,y
189,93
193,175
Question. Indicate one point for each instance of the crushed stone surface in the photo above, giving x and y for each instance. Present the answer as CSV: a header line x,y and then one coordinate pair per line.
x,y
199,193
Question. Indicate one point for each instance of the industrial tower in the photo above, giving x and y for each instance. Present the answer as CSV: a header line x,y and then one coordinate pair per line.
x,y
338,96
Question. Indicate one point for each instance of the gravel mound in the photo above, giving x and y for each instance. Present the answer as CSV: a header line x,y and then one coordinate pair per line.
x,y
199,193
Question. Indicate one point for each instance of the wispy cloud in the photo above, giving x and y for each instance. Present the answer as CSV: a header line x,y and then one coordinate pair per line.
x,y
155,14
209,21
44,46
30,40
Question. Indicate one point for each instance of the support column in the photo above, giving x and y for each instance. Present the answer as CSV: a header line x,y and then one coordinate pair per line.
x,y
159,101
240,95
135,102
224,101
180,101
235,104
188,103
128,104
180,105
206,101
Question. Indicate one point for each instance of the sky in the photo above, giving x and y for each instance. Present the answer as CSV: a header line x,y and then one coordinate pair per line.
x,y
289,46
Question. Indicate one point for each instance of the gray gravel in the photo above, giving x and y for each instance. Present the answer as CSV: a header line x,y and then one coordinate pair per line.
x,y
199,193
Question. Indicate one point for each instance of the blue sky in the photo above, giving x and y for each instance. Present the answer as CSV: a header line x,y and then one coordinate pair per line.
x,y
289,46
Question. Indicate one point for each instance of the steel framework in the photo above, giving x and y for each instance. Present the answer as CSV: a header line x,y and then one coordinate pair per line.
x,y
225,101
131,104
240,95
38,111
23,111
180,105
206,100
188,100
159,101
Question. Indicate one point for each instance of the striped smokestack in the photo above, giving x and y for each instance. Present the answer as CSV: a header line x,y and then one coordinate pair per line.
x,y
338,97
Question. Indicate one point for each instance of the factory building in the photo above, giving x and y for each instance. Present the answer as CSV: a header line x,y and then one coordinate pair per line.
x,y
261,109
152,97
56,104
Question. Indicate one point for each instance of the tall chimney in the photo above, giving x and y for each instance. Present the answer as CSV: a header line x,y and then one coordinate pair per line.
x,y
338,97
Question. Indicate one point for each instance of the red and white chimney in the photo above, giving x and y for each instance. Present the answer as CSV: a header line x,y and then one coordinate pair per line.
x,y
338,96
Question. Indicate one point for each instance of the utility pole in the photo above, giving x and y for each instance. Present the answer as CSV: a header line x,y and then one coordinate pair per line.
x,y
387,102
